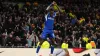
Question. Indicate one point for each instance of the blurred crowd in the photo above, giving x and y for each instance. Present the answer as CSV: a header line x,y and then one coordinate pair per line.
x,y
21,24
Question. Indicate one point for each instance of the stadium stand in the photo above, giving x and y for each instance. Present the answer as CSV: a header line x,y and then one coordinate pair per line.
x,y
21,23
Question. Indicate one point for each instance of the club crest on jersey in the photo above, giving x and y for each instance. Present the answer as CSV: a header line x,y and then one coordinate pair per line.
x,y
50,18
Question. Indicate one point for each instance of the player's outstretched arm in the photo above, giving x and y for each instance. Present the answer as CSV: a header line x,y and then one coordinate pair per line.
x,y
47,9
59,9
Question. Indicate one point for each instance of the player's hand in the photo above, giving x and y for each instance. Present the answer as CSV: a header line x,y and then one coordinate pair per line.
x,y
54,3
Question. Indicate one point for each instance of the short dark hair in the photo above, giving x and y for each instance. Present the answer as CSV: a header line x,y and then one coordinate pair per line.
x,y
51,9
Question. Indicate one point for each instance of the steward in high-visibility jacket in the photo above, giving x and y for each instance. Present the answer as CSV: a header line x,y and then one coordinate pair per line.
x,y
93,44
45,44
88,45
64,46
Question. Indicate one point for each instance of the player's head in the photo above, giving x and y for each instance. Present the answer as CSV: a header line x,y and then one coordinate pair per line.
x,y
51,11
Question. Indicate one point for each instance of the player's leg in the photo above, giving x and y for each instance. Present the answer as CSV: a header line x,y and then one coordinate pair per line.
x,y
63,53
57,52
43,38
53,42
39,46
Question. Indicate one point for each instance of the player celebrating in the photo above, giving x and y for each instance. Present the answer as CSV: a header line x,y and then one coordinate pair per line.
x,y
48,28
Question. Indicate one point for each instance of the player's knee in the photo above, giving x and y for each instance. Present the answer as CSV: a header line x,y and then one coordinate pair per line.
x,y
41,42
51,43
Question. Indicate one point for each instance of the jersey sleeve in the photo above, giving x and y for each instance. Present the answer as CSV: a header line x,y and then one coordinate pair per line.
x,y
46,17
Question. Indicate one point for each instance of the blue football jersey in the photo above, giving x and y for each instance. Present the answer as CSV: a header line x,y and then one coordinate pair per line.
x,y
49,21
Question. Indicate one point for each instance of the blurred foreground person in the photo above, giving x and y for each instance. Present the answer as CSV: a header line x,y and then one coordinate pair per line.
x,y
97,52
61,52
